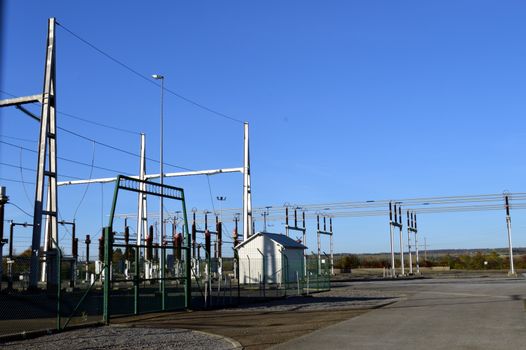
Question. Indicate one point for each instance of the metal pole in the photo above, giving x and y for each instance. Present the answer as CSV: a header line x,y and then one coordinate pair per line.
x,y
409,227
319,245
305,244
391,236
142,223
331,247
247,196
425,250
3,201
401,239
161,198
47,126
508,225
87,241
413,219
287,221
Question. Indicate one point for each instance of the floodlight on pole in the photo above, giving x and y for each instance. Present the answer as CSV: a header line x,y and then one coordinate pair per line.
x,y
161,173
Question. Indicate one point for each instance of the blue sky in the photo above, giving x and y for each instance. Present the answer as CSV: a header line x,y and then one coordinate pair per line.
x,y
347,100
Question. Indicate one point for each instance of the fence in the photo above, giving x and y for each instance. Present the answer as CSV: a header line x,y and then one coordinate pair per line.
x,y
75,294
217,283
63,298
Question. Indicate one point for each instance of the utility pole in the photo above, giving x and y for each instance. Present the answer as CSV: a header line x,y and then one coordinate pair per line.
x,y
3,200
391,238
425,249
409,228
235,232
265,214
400,226
142,219
221,199
161,197
47,148
248,228
46,163
508,225
397,222
415,229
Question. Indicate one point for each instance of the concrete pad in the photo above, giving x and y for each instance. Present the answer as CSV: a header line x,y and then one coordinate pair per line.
x,y
436,314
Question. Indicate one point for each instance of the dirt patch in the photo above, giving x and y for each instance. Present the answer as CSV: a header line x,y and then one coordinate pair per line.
x,y
261,325
254,330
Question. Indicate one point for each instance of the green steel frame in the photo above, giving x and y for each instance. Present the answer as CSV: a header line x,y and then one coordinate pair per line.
x,y
155,189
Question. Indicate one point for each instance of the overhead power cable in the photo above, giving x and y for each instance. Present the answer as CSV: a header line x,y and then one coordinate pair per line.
x,y
33,170
115,148
83,119
68,160
17,138
15,180
87,187
99,142
147,78
22,176
22,210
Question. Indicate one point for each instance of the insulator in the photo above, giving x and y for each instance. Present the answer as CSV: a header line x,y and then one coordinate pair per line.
x,y
75,247
178,243
219,230
101,248
207,242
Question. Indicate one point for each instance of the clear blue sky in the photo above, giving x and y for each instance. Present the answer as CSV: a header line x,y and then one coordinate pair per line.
x,y
347,100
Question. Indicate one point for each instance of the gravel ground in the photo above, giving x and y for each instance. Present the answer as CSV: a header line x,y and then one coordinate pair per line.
x,y
122,338
342,296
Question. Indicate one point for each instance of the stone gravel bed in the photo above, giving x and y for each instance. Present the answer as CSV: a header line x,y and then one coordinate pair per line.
x,y
124,338
343,295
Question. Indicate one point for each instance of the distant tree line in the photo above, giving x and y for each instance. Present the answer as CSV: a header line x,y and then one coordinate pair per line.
x,y
475,261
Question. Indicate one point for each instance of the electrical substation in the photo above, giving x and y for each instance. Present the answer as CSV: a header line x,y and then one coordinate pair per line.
x,y
181,257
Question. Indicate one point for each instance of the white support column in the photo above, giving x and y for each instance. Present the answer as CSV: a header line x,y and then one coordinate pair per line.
x,y
409,251
391,236
415,227
47,227
401,250
247,196
512,267
331,247
508,225
46,149
142,221
416,253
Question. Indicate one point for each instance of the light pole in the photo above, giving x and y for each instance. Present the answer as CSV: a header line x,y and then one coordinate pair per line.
x,y
161,173
221,199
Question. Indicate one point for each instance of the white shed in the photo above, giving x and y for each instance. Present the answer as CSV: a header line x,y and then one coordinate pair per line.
x,y
270,258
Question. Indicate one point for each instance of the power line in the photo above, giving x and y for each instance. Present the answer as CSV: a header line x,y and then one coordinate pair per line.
x,y
17,138
115,148
34,170
83,119
146,78
22,210
210,191
17,181
87,187
98,124
67,159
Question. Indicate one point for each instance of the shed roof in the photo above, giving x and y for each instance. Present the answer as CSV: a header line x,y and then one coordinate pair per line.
x,y
281,239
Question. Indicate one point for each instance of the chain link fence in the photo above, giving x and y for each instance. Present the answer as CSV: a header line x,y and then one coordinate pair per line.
x,y
63,296
217,282
72,292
